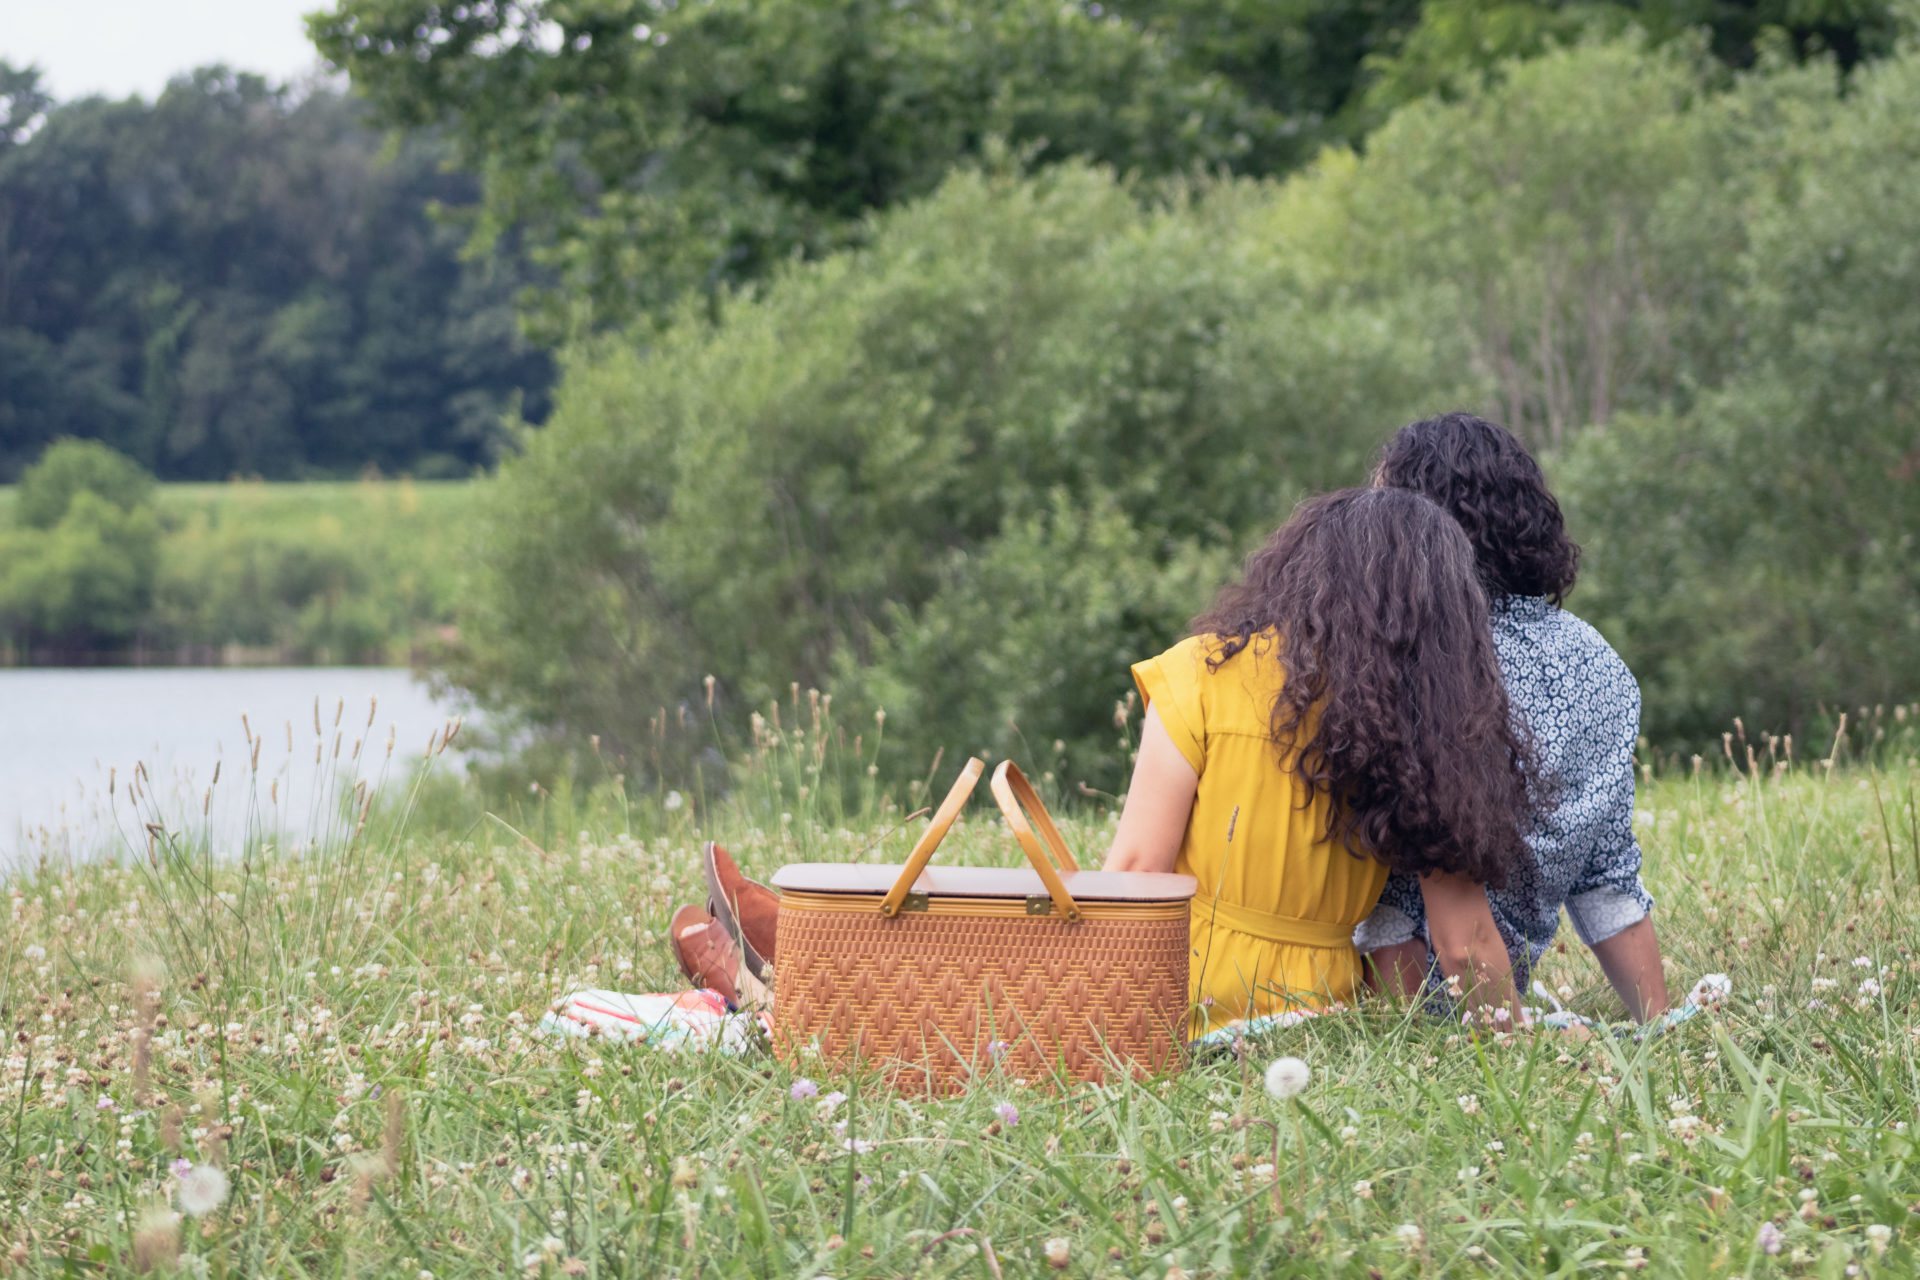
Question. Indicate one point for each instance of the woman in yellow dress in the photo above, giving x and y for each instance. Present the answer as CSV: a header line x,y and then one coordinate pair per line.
x,y
1338,713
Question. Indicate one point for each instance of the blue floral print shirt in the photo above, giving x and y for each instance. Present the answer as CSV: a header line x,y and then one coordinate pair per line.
x,y
1583,707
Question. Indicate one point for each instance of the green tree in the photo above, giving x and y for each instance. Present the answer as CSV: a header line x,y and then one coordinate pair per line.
x,y
78,572
977,462
1581,215
1760,555
1456,44
232,279
71,467
654,148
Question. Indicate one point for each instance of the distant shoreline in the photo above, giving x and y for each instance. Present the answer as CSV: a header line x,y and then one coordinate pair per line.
x,y
238,657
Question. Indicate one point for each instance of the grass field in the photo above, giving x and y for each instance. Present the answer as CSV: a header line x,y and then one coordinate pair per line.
x,y
315,572
347,1031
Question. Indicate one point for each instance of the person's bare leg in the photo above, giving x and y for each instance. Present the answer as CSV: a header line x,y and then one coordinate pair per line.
x,y
1399,970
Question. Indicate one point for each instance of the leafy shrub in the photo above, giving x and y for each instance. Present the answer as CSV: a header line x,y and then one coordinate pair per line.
x,y
971,471
859,467
1760,556
71,467
79,569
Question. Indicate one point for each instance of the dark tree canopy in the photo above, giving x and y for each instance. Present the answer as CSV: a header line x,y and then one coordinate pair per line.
x,y
233,279
652,148
655,147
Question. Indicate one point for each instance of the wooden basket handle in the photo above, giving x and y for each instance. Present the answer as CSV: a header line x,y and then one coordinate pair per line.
x,y
936,831
1017,799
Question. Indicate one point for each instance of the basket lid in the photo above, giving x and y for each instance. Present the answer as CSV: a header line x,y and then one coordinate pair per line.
x,y
985,882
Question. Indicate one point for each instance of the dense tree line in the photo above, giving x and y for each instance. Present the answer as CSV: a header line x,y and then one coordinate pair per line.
x,y
242,279
1009,444
652,147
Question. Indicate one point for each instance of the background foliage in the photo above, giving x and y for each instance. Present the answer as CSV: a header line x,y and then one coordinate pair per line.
x,y
98,563
947,356
649,147
974,468
234,279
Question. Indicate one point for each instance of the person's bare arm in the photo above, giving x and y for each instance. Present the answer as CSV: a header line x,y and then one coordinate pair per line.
x,y
1631,961
1153,821
1466,942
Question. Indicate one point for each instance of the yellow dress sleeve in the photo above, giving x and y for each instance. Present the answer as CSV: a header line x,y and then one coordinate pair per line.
x,y
1171,682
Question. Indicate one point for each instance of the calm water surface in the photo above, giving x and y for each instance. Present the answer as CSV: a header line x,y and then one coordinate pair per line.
x,y
64,732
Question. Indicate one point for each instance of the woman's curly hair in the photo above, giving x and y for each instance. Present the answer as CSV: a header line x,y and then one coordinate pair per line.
x,y
1487,480
1392,700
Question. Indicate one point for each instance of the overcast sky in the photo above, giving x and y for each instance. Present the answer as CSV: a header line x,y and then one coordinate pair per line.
x,y
120,47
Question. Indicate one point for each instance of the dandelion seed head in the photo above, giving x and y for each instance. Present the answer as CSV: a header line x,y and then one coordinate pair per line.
x,y
202,1189
1287,1077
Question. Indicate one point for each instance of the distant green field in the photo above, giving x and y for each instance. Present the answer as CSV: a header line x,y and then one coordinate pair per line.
x,y
352,571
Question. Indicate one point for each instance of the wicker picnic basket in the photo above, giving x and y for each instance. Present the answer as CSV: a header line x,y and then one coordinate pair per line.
x,y
939,974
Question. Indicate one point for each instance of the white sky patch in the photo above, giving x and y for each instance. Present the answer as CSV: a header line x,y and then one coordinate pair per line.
x,y
122,47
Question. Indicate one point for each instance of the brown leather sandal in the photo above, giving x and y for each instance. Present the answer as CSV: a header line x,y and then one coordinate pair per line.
x,y
746,909
706,954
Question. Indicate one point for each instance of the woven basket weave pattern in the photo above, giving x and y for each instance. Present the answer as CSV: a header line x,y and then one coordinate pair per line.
x,y
931,994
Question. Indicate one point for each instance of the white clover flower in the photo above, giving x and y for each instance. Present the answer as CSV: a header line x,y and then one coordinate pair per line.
x,y
1469,1103
1410,1235
1059,1253
1363,1189
201,1189
1879,1235
674,801
1287,1077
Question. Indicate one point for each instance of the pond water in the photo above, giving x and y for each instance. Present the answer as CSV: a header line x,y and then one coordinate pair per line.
x,y
68,737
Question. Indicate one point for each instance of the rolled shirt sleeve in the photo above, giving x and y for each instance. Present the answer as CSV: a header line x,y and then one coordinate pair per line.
x,y
1400,916
1608,895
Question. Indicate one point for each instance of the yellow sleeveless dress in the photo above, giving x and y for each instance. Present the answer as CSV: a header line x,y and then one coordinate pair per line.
x,y
1274,917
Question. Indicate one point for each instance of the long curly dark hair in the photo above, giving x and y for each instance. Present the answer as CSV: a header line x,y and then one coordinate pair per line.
x,y
1487,480
1392,700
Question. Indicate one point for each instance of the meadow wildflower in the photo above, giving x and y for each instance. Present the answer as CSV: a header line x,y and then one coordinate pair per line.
x,y
1058,1253
1006,1113
1469,1103
1879,1235
1287,1077
1363,1189
1410,1235
1769,1239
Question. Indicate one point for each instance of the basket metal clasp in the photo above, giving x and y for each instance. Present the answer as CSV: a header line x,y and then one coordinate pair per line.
x,y
916,902
1039,904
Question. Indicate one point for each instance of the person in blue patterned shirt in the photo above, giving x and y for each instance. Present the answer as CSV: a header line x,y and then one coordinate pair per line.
x,y
1580,703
